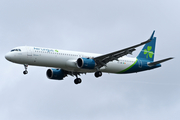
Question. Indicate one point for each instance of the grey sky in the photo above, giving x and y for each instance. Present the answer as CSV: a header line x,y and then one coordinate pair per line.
x,y
91,26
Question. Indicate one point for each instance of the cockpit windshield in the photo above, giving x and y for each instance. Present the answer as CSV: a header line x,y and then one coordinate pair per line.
x,y
15,50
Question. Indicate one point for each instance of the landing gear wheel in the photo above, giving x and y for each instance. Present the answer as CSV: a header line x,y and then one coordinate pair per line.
x,y
98,74
25,72
77,81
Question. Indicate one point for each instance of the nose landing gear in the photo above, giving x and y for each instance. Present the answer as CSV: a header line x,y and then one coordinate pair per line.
x,y
25,66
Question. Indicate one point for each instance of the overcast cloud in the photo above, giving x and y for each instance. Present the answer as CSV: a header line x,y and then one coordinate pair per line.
x,y
97,26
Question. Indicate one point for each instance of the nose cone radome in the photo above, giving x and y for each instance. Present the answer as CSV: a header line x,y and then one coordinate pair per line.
x,y
8,56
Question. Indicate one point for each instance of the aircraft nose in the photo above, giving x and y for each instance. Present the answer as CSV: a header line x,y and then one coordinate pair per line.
x,y
8,56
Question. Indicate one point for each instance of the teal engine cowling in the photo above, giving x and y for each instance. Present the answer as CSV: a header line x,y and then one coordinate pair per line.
x,y
57,74
86,63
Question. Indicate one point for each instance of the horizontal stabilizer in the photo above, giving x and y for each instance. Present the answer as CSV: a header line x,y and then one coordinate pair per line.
x,y
160,61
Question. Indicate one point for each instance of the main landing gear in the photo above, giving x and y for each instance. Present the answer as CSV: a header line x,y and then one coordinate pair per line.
x,y
98,74
25,66
77,81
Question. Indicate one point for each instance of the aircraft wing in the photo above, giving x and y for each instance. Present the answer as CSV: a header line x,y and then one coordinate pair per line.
x,y
72,73
104,59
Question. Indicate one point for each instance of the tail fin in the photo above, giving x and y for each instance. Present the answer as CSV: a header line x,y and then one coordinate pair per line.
x,y
147,53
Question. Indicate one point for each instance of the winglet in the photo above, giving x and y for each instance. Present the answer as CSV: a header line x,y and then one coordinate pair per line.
x,y
152,35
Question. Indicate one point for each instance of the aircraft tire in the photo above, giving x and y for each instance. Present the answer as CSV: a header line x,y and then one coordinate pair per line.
x,y
25,72
98,74
77,81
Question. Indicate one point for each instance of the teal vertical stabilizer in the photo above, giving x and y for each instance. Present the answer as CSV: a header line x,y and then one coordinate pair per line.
x,y
148,51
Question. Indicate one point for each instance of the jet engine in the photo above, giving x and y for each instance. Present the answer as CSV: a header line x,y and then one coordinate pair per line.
x,y
86,63
57,74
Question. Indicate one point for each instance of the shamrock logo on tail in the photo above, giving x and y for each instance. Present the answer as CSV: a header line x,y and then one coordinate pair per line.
x,y
148,52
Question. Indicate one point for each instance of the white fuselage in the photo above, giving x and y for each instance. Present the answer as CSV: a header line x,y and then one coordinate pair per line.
x,y
63,59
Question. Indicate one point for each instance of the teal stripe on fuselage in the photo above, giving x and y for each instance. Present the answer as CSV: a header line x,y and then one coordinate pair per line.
x,y
138,66
128,67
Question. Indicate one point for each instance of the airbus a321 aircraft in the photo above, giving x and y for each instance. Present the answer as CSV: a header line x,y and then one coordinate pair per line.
x,y
73,63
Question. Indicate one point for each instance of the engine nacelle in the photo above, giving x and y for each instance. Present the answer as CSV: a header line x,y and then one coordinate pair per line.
x,y
86,63
56,74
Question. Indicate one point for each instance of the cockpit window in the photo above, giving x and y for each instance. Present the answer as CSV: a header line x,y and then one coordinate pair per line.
x,y
15,50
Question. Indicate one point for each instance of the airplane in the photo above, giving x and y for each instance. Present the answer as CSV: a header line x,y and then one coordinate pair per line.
x,y
73,63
